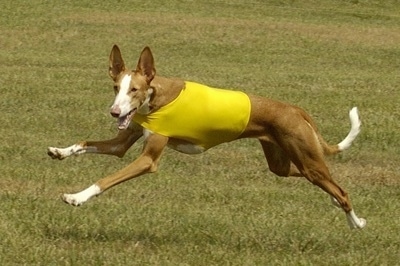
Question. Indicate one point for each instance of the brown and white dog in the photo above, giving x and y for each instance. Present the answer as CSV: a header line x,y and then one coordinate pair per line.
x,y
289,138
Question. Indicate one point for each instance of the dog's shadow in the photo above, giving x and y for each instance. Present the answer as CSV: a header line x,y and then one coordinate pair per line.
x,y
148,239
102,235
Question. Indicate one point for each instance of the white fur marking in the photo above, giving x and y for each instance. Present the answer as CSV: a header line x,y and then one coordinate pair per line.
x,y
189,148
185,147
335,202
81,197
355,222
62,153
354,131
144,109
146,133
122,100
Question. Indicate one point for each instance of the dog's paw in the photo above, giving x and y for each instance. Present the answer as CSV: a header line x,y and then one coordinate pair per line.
x,y
55,153
362,223
79,198
71,199
354,222
359,224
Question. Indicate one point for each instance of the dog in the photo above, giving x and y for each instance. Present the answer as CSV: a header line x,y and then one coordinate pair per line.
x,y
191,118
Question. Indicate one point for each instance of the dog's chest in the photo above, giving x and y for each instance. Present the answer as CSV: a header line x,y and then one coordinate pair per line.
x,y
184,146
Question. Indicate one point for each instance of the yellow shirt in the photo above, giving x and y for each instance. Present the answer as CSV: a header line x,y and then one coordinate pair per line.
x,y
202,115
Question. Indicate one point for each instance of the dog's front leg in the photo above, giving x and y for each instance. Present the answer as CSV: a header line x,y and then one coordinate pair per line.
x,y
116,146
146,163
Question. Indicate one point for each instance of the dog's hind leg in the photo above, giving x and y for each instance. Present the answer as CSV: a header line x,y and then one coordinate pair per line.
x,y
316,171
281,165
278,162
116,146
302,147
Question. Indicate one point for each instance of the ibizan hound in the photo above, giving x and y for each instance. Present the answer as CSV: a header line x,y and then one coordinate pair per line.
x,y
191,118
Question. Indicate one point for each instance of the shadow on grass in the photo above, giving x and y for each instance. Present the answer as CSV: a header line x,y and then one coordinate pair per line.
x,y
271,242
100,235
104,235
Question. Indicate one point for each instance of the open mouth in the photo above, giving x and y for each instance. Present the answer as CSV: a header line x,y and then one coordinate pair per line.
x,y
124,121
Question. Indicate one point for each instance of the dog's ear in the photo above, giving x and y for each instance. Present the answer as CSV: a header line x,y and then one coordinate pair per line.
x,y
117,64
145,65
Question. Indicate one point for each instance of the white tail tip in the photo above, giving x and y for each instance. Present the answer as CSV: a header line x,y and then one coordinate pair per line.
x,y
354,131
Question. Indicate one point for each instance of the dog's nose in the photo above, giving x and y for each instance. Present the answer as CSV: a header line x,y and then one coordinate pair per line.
x,y
115,111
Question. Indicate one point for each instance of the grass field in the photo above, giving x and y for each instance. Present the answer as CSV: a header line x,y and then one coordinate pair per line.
x,y
222,207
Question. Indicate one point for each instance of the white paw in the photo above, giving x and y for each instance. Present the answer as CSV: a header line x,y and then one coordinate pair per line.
x,y
79,198
355,222
362,223
71,199
61,153
55,153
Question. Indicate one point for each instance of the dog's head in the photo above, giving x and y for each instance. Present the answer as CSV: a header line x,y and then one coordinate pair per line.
x,y
132,88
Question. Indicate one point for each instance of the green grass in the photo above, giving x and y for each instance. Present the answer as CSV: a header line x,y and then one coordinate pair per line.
x,y
222,207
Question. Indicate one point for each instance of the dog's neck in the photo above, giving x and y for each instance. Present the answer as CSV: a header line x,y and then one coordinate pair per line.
x,y
164,91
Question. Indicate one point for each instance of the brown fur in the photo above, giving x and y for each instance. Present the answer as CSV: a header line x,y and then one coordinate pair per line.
x,y
288,136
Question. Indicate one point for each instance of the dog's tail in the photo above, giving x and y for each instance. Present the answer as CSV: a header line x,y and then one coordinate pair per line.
x,y
346,142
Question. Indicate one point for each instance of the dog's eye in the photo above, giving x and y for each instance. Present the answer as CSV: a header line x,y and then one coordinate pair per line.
x,y
134,89
115,88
